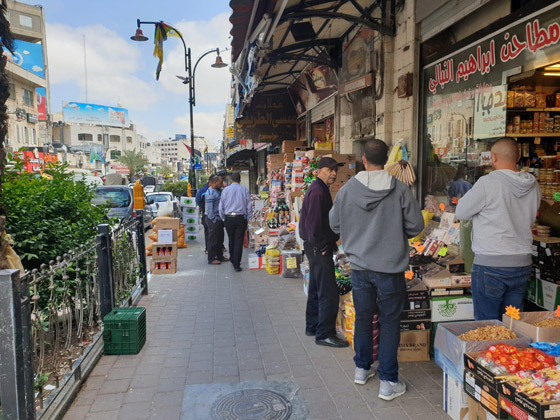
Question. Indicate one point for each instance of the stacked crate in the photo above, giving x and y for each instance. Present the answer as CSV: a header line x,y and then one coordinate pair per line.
x,y
190,217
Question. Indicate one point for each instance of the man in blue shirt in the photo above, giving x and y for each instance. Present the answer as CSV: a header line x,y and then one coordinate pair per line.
x,y
213,221
236,209
201,203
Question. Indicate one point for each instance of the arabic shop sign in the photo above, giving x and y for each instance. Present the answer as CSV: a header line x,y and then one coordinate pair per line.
x,y
268,119
531,42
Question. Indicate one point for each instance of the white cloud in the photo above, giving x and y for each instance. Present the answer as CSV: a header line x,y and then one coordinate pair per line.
x,y
212,85
111,63
207,124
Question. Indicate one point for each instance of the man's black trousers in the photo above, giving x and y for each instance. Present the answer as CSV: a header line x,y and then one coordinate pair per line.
x,y
236,227
322,296
215,239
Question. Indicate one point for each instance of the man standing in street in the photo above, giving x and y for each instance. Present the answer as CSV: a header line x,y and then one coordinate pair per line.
x,y
375,215
319,243
214,222
236,209
502,205
201,203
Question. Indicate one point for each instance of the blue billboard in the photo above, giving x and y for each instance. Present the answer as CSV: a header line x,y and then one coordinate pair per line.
x,y
77,112
28,56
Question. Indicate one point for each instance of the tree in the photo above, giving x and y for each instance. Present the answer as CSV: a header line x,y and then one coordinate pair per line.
x,y
166,171
134,161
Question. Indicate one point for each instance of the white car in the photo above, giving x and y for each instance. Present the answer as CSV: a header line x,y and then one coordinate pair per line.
x,y
155,199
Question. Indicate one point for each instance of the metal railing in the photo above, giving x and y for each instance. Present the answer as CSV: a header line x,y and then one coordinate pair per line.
x,y
51,316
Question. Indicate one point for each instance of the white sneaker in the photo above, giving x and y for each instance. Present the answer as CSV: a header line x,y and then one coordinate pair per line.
x,y
361,376
391,390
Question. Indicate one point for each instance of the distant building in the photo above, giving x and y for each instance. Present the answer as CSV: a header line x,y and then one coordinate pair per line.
x,y
28,75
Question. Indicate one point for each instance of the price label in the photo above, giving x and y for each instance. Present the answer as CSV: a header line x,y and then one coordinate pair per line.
x,y
291,262
443,251
409,274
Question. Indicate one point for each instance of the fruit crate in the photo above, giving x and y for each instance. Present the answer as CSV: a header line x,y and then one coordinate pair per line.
x,y
124,330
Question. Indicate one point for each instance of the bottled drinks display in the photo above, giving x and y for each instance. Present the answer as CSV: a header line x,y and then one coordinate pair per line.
x,y
279,215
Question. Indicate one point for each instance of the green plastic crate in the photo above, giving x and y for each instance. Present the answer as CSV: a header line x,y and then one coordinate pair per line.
x,y
124,330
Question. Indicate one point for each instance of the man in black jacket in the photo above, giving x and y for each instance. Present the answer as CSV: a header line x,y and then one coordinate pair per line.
x,y
319,243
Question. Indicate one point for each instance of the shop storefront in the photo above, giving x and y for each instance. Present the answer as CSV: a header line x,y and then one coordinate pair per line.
x,y
504,83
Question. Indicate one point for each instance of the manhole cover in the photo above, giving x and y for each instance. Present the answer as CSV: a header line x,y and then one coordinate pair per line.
x,y
252,404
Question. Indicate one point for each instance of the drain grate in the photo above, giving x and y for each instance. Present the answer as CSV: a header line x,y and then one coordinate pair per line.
x,y
252,404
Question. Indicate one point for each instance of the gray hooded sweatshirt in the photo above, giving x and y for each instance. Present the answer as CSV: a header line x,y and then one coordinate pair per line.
x,y
375,215
502,205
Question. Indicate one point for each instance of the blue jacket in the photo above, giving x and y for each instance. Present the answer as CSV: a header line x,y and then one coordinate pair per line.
x,y
200,197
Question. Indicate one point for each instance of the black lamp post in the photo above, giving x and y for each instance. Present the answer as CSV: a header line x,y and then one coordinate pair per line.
x,y
189,80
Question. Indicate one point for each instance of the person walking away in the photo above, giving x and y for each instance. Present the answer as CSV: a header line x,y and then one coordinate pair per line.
x,y
319,243
201,203
236,208
502,205
375,215
214,222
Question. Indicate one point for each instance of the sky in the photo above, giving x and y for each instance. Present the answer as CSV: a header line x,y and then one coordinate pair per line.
x,y
122,72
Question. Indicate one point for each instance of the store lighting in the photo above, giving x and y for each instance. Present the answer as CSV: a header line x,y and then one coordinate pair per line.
x,y
552,74
554,67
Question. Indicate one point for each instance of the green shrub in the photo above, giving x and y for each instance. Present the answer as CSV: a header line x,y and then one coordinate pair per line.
x,y
177,188
47,217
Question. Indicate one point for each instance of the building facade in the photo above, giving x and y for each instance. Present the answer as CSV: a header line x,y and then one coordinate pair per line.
x,y
28,74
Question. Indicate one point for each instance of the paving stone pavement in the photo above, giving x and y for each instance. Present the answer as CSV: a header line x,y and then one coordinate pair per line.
x,y
209,324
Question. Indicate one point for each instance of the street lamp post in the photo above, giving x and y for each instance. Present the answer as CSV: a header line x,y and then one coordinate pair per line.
x,y
189,80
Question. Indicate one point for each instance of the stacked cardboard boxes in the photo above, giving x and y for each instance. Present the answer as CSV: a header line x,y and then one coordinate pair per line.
x,y
345,173
415,324
164,251
290,146
189,218
275,162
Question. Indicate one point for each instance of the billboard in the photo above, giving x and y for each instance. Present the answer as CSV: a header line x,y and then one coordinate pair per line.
x,y
28,56
77,112
35,161
41,100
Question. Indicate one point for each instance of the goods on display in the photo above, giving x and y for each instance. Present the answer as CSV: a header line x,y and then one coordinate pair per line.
x,y
551,322
490,332
503,359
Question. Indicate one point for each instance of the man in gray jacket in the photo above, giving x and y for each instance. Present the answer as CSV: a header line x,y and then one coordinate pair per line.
x,y
502,205
375,215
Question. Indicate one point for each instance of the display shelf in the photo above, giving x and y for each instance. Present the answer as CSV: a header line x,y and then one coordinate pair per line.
x,y
533,135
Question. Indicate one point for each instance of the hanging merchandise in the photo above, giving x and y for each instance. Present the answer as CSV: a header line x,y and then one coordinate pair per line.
x,y
400,166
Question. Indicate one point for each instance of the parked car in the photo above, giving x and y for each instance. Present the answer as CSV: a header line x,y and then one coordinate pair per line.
x,y
120,201
154,200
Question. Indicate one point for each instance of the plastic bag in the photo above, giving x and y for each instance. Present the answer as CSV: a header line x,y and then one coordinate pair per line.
x,y
291,264
165,208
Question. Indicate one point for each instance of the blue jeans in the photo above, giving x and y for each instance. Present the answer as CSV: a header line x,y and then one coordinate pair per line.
x,y
494,288
385,294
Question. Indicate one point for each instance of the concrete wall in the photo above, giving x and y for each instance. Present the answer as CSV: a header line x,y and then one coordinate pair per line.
x,y
395,116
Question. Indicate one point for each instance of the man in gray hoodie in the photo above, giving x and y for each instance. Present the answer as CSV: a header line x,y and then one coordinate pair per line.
x,y
375,215
502,205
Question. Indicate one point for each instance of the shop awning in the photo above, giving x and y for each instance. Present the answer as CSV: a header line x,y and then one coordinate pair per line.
x,y
295,33
241,158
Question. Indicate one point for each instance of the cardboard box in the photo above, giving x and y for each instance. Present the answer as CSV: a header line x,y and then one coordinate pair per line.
x,y
343,177
289,146
546,410
477,412
543,293
452,308
450,350
415,315
456,265
461,279
349,161
485,397
414,346
289,157
514,411
455,402
164,251
435,276
316,153
420,325
166,236
188,202
191,237
255,262
190,220
417,295
526,326
167,223
189,212
168,266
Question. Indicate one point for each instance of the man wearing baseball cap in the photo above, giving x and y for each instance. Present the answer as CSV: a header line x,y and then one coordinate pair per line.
x,y
319,243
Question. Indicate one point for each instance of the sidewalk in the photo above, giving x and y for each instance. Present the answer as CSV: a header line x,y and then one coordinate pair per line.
x,y
210,325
